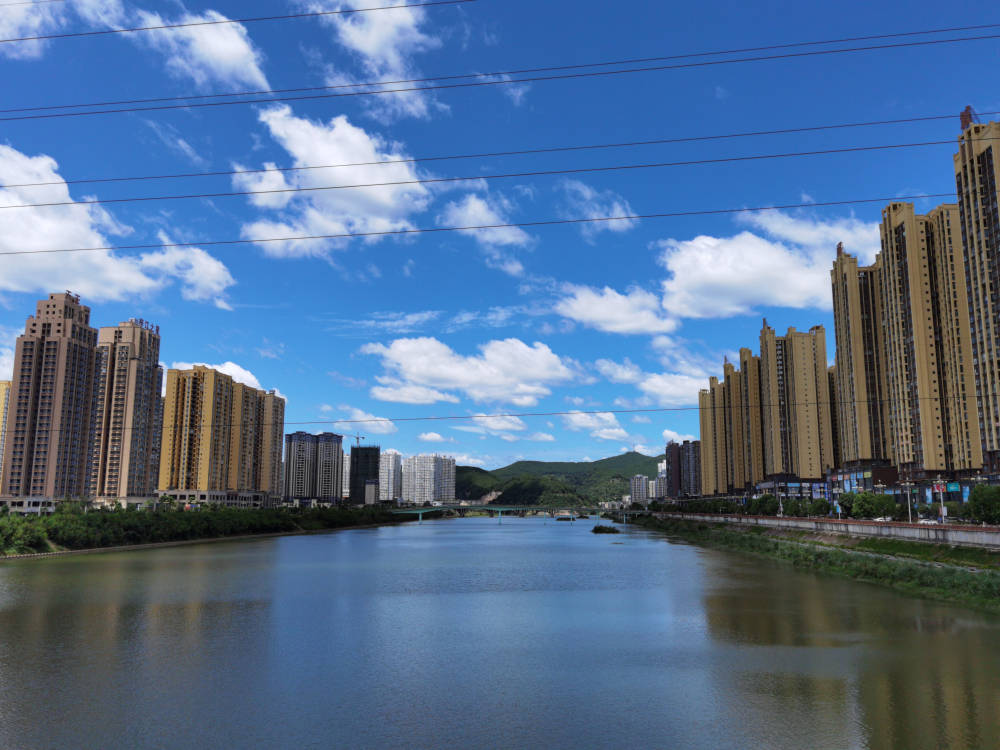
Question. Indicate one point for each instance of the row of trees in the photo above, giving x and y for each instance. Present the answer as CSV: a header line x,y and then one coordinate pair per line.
x,y
983,506
71,528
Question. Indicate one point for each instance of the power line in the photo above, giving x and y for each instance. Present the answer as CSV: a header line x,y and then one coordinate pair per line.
x,y
510,415
433,230
493,154
497,176
502,79
33,2
285,17
521,71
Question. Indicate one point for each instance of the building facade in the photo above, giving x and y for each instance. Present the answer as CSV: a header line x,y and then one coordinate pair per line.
x,y
671,472
313,466
49,407
126,413
428,479
364,470
221,439
390,476
691,468
639,486
977,176
4,401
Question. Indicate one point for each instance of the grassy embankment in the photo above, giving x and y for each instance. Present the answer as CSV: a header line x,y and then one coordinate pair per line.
x,y
71,529
883,562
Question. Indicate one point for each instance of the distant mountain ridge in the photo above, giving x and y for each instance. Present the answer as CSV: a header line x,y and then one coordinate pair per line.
x,y
594,481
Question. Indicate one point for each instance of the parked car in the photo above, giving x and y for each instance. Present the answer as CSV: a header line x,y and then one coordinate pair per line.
x,y
929,520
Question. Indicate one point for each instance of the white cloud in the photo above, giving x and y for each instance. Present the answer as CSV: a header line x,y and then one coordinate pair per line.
x,y
433,437
257,182
717,277
332,212
602,425
541,437
361,421
581,201
221,53
394,390
96,275
507,370
236,372
641,419
203,277
635,312
672,389
18,21
390,322
625,372
8,337
647,450
171,138
464,459
482,211
106,13
384,44
677,437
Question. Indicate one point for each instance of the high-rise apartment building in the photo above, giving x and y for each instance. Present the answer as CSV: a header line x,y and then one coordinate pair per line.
x,y
364,469
428,478
691,468
4,400
329,467
639,489
300,465
345,492
313,466
125,431
712,418
795,398
859,375
671,470
390,476
221,439
928,385
977,177
52,390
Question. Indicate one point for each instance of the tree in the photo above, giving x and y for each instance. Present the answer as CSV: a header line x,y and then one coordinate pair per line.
x,y
984,504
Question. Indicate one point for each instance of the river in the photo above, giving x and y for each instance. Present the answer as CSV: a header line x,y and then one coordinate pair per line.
x,y
470,633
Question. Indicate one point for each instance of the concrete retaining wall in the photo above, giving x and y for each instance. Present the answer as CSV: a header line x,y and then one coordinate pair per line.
x,y
957,535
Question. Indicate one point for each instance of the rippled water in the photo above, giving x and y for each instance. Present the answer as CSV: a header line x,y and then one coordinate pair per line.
x,y
468,633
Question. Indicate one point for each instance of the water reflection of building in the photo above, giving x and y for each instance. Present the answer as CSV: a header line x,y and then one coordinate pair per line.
x,y
908,673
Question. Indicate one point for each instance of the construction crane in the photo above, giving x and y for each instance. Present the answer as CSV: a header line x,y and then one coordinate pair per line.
x,y
358,438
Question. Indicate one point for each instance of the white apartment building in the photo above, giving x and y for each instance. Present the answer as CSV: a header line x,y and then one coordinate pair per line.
x,y
390,476
428,478
640,488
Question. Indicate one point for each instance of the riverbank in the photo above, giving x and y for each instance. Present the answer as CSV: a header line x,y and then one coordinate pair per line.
x,y
77,532
929,575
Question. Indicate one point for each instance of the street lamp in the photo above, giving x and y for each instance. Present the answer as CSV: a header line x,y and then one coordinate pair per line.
x,y
909,501
940,496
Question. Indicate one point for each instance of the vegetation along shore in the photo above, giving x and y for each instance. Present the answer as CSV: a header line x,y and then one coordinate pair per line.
x,y
970,577
72,529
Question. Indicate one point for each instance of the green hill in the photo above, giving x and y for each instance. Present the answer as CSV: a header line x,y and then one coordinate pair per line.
x,y
537,491
606,479
471,482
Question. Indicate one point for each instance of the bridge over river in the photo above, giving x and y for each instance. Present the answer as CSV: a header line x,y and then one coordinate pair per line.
x,y
518,510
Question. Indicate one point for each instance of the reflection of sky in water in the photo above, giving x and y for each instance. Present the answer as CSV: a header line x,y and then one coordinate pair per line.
x,y
471,633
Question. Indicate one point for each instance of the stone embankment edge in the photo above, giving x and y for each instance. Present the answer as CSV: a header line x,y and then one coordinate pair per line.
x,y
982,537
184,542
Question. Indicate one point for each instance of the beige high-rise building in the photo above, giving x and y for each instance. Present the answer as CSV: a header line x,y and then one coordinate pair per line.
x,y
48,416
859,374
752,417
714,438
126,430
221,439
977,177
798,441
4,400
928,388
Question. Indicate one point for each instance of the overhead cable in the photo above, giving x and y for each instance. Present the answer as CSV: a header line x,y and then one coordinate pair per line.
x,y
502,79
522,224
187,24
477,177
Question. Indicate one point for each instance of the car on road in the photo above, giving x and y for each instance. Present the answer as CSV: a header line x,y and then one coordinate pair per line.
x,y
929,520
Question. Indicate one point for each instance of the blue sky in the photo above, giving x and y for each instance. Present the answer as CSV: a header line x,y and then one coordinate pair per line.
x,y
627,315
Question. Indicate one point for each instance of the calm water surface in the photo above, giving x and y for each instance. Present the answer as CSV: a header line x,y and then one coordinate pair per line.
x,y
467,633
